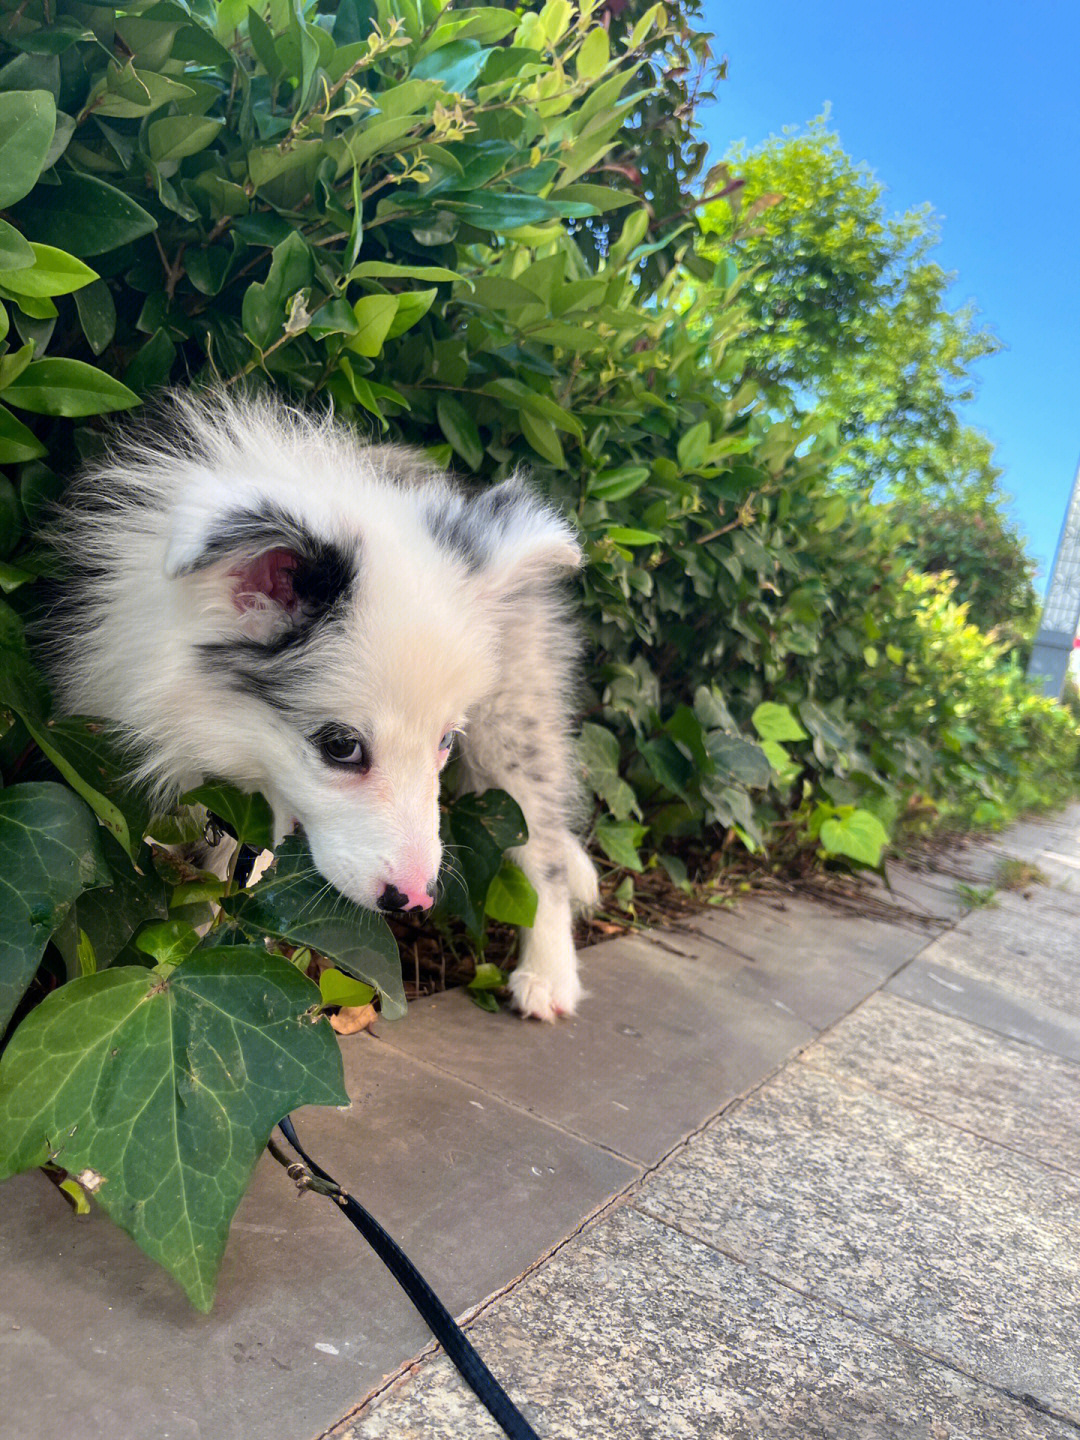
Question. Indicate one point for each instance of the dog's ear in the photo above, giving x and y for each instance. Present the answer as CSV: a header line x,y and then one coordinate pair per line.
x,y
279,577
516,539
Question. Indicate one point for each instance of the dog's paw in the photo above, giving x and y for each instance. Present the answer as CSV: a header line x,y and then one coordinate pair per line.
x,y
545,997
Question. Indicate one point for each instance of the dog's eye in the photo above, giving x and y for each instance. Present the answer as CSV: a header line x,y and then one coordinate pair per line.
x,y
341,745
447,741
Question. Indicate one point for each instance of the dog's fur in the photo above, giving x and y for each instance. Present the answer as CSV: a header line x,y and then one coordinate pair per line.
x,y
248,577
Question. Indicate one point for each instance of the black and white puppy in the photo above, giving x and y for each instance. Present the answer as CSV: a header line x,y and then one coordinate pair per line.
x,y
263,598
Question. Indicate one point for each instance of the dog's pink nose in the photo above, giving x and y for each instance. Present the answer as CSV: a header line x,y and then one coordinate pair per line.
x,y
392,899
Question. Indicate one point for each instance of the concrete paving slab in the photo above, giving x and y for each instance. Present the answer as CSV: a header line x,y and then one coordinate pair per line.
x,y
636,1331
96,1340
772,932
1005,1012
1012,1094
1038,959
662,1042
935,1237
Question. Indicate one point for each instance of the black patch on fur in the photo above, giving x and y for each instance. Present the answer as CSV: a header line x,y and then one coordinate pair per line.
x,y
323,580
325,570
471,528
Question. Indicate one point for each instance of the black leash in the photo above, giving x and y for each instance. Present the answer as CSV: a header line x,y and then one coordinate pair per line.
x,y
442,1324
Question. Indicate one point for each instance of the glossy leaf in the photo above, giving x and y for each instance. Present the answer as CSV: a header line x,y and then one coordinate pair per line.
x,y
50,852
293,902
130,1082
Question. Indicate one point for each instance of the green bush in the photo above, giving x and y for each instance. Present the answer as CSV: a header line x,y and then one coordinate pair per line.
x,y
398,205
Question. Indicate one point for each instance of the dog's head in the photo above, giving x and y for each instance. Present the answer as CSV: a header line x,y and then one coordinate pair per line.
x,y
347,629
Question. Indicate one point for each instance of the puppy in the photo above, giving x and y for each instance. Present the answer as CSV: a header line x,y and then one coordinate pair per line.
x,y
262,598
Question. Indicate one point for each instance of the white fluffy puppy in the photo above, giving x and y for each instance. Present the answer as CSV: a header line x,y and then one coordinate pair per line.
x,y
263,598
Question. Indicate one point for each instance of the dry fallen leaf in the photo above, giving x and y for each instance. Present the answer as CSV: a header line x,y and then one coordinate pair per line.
x,y
351,1019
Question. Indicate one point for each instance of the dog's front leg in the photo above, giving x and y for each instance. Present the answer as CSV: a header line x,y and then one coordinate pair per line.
x,y
531,761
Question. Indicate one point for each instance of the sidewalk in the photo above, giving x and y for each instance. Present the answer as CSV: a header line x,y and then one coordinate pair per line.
x,y
794,1173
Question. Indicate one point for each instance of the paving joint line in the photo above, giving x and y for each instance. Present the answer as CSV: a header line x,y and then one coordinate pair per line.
x,y
411,1367
901,1342
855,1083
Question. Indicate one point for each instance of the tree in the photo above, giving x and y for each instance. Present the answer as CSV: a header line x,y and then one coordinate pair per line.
x,y
847,314
847,310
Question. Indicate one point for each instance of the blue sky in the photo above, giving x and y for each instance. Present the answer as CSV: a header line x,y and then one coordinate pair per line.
x,y
976,109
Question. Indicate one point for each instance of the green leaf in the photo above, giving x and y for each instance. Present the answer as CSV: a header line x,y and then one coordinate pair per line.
x,y
598,751
27,123
293,902
110,915
178,136
502,210
592,58
53,272
97,315
169,942
738,758
542,436
623,536
859,836
776,722
374,316
617,484
15,252
266,306
620,840
249,815
83,215
487,977
510,897
455,65
337,988
50,852
412,306
383,270
693,446
17,443
477,829
68,387
94,764
159,1095
21,687
126,93
459,427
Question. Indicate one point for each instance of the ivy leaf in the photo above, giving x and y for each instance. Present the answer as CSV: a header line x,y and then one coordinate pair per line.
x,y
619,840
859,836
776,722
739,759
293,902
109,916
598,751
131,1083
169,942
248,815
337,988
510,897
86,756
21,687
477,829
50,852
